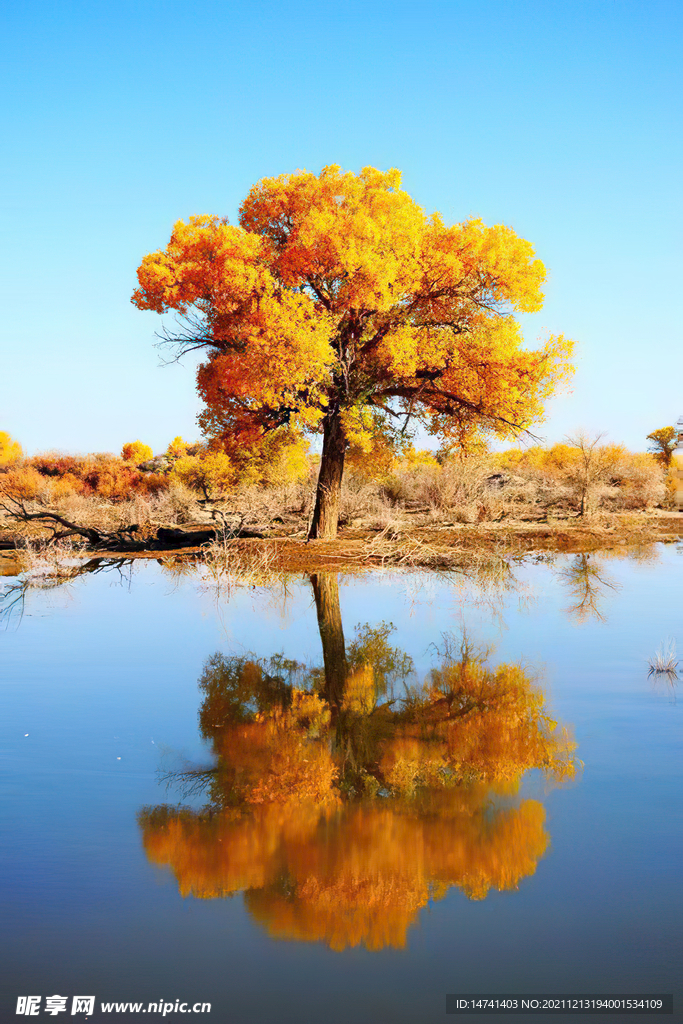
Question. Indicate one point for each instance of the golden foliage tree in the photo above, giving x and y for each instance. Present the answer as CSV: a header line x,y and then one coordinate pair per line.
x,y
338,297
212,473
10,450
662,443
137,452
177,448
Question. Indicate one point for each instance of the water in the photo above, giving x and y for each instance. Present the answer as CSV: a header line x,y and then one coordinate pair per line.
x,y
292,841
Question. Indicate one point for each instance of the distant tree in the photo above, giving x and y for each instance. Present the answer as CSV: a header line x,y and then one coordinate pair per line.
x,y
10,450
177,448
589,466
137,452
338,299
662,443
212,473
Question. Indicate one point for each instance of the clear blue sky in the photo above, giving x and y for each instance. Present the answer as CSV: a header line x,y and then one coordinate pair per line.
x,y
557,117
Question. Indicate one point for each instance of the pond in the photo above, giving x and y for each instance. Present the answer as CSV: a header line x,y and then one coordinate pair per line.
x,y
340,797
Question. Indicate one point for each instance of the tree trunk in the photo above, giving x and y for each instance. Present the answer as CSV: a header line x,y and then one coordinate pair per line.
x,y
326,512
326,592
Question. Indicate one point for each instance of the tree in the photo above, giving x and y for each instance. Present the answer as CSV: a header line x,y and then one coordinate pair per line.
x,y
177,449
662,443
591,464
137,452
587,581
336,299
212,473
10,450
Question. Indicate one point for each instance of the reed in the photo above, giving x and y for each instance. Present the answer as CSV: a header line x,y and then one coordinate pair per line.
x,y
665,661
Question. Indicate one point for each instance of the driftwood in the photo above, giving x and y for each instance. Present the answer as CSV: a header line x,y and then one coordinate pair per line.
x,y
19,510
123,540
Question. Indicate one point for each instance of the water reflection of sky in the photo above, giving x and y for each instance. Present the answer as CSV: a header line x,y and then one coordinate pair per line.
x,y
109,671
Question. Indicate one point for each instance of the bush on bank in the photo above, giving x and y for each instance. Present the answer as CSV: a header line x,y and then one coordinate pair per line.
x,y
384,481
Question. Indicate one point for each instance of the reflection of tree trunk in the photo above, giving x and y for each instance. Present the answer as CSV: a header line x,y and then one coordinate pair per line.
x,y
326,590
326,512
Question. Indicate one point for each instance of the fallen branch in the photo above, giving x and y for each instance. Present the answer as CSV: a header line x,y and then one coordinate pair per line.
x,y
18,510
122,540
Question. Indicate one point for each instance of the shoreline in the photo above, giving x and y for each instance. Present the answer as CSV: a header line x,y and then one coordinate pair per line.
x,y
433,546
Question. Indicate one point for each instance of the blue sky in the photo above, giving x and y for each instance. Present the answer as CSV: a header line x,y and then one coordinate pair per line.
x,y
561,119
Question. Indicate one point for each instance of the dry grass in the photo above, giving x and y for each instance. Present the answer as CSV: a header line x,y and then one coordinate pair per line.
x,y
232,563
176,506
415,516
665,662
45,565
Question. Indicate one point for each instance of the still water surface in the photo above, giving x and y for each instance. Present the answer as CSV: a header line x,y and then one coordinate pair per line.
x,y
342,798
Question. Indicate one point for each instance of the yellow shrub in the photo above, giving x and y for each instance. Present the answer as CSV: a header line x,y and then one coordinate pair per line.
x,y
559,459
290,465
137,452
380,451
608,473
64,487
521,458
177,448
414,457
25,483
273,457
212,473
10,450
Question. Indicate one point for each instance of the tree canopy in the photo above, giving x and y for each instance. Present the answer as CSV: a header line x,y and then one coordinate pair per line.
x,y
337,300
662,443
10,450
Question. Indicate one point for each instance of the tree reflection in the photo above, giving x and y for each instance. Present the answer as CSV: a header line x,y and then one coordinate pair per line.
x,y
340,808
587,581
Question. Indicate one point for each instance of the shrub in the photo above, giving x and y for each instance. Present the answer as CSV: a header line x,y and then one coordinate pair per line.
x,y
101,474
212,473
637,481
178,448
57,464
137,452
290,465
588,472
10,450
24,483
62,487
